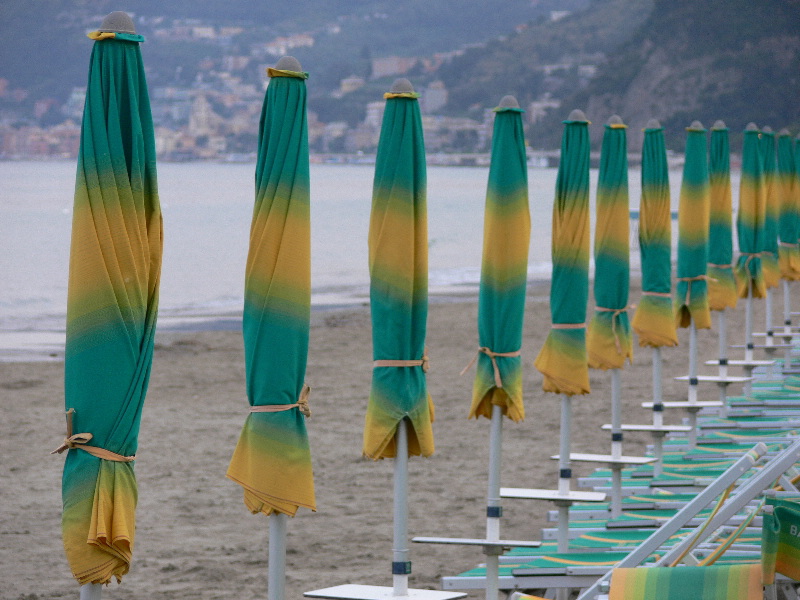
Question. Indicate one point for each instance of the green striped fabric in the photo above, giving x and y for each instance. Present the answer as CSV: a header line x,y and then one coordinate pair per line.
x,y
504,271
272,459
724,582
398,266
563,359
750,220
691,298
769,247
789,204
112,304
780,541
608,339
654,321
721,282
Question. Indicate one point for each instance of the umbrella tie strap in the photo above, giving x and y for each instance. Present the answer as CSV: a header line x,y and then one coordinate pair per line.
x,y
568,326
689,281
424,362
615,313
77,441
788,244
720,266
302,404
498,381
658,294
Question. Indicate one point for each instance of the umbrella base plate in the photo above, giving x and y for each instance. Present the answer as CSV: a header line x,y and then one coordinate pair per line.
x,y
376,592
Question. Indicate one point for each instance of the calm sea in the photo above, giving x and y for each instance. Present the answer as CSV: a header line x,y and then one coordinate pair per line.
x,y
207,210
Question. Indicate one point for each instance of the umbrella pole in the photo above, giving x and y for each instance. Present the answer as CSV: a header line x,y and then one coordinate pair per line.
x,y
787,325
91,591
768,320
401,566
723,359
693,383
564,473
276,574
493,509
616,441
748,323
658,411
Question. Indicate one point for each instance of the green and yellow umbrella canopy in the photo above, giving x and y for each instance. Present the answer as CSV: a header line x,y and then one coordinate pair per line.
x,y
112,303
769,249
691,301
750,218
608,339
563,358
398,266
789,201
272,459
721,278
504,270
654,321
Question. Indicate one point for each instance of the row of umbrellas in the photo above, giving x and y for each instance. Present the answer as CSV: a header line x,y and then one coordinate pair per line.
x,y
116,256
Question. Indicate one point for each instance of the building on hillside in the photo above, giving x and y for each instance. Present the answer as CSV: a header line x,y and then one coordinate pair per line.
x,y
434,97
389,66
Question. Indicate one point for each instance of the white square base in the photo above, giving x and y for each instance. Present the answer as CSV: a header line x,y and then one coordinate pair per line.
x,y
351,591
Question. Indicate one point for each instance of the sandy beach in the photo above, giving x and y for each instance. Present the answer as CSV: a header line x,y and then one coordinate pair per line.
x,y
195,540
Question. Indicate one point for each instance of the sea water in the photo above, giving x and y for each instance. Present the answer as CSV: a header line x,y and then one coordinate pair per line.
x,y
207,210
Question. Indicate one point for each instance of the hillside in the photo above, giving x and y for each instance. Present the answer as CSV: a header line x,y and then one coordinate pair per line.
x,y
735,60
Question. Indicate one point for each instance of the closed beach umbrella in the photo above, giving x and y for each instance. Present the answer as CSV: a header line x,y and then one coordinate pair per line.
x,y
504,270
789,202
654,321
115,264
769,248
272,459
608,339
750,219
691,301
398,265
721,279
563,358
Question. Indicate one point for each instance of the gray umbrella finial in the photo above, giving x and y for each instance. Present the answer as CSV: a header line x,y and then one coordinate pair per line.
x,y
653,124
784,132
751,127
615,120
577,115
289,63
696,125
766,129
402,86
508,101
117,22
719,124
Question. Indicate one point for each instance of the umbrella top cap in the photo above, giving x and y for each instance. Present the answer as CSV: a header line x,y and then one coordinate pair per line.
x,y
288,63
117,22
751,127
766,129
653,124
615,120
508,101
720,124
696,126
577,115
402,86
784,132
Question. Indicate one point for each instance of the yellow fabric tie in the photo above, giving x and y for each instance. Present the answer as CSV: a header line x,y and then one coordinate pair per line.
x,y
77,441
720,266
493,356
616,312
302,404
424,362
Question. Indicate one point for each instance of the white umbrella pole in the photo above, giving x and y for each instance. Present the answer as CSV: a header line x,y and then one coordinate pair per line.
x,y
658,412
768,320
400,563
723,359
564,472
693,383
616,441
787,324
493,509
91,591
276,569
748,322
